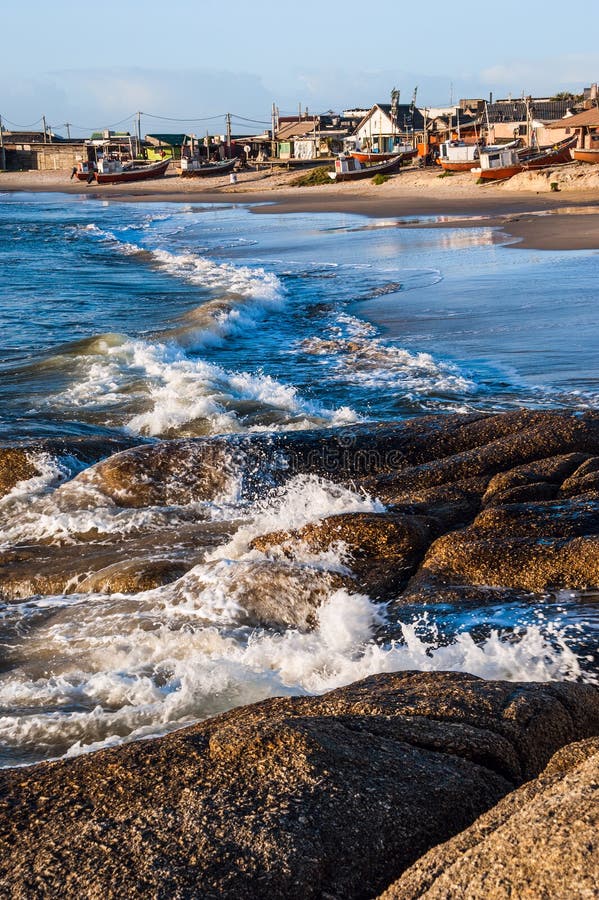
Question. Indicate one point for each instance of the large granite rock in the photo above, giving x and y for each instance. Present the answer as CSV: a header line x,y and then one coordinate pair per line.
x,y
541,841
289,798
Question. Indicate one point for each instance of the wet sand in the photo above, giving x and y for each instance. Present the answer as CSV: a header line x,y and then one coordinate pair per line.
x,y
525,208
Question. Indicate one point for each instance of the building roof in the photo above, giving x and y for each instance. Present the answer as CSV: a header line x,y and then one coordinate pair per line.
x,y
515,110
589,118
30,137
171,140
407,118
297,129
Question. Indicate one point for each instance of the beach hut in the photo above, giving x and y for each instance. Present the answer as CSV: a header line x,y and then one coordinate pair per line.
x,y
586,126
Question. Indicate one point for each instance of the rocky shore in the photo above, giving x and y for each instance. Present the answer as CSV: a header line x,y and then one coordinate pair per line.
x,y
411,784
322,797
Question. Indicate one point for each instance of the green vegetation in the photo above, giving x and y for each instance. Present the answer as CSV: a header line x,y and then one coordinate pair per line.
x,y
445,174
314,176
380,178
568,95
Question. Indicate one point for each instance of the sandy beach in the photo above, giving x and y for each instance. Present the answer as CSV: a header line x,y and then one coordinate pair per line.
x,y
525,207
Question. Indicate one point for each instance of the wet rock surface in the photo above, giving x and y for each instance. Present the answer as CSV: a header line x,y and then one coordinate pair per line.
x,y
296,797
507,502
382,549
539,841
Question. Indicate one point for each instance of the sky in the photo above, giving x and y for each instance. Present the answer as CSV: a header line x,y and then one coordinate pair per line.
x,y
186,63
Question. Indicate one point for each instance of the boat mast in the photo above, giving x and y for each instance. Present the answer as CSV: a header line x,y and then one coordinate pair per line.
x,y
394,111
413,111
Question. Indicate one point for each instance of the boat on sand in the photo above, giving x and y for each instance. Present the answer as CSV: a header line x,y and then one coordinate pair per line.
x,y
498,164
347,168
112,171
194,168
588,156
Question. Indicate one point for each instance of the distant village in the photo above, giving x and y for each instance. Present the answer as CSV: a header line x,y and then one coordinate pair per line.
x,y
306,138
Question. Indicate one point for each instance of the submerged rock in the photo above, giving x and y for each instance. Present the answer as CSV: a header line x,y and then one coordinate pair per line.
x,y
539,841
16,465
382,549
290,798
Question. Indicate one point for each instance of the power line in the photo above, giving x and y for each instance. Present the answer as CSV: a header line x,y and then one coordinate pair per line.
x,y
252,121
197,119
14,124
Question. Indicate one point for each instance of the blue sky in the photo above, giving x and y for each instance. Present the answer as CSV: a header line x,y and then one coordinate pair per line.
x,y
94,64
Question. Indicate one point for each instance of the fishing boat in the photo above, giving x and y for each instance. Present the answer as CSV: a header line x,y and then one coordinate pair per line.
x,y
112,171
347,168
554,155
456,156
499,164
84,171
194,168
588,156
367,158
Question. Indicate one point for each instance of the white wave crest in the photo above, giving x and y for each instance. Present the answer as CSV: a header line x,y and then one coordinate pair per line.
x,y
156,674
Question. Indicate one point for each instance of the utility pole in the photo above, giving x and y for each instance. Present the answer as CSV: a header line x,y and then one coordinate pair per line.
x,y
139,134
228,135
273,147
45,131
67,125
2,154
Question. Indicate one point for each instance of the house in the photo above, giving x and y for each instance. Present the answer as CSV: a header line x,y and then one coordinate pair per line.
x,y
312,137
379,132
161,146
509,119
453,123
585,124
35,150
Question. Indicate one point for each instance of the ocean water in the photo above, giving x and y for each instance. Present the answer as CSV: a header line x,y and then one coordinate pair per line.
x,y
155,321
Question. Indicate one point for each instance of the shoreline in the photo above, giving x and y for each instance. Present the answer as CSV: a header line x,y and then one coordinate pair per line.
x,y
536,219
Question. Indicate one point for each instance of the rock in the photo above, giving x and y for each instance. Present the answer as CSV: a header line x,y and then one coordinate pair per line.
x,y
551,472
16,464
539,841
118,563
532,547
290,798
381,549
164,474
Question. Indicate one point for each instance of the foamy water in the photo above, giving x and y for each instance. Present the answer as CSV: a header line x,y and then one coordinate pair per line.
x,y
183,321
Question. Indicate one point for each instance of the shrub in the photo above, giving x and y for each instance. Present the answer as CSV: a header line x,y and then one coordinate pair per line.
x,y
314,176
380,178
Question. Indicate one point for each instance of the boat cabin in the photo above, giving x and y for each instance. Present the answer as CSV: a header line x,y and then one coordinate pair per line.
x,y
345,164
458,151
498,158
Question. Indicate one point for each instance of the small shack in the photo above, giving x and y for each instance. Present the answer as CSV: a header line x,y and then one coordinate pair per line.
x,y
586,126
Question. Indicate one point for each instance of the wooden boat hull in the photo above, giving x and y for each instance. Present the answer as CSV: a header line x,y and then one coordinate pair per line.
x,y
367,159
370,158
553,157
385,168
156,170
210,170
464,166
498,174
588,156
